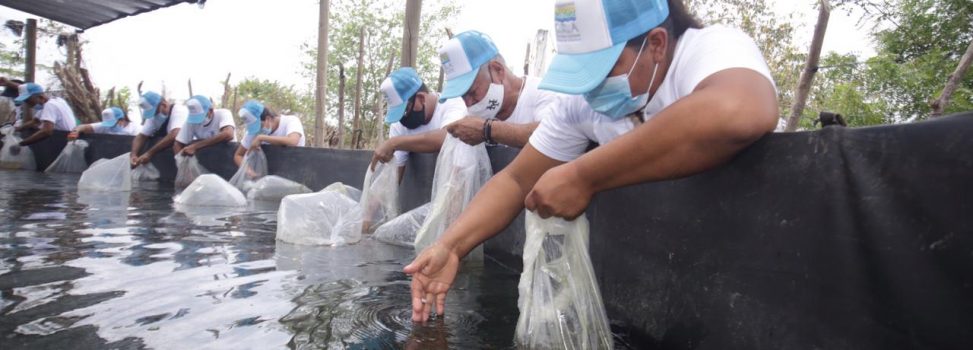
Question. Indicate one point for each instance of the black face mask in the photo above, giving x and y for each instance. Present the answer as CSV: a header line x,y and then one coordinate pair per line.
x,y
414,119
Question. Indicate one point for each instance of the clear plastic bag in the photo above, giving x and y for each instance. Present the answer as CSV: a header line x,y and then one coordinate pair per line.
x,y
380,196
401,231
210,190
253,168
274,188
110,175
71,160
12,155
322,218
353,193
145,172
461,170
560,304
187,170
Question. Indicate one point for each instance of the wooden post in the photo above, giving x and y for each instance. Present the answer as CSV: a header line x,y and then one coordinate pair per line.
x,y
226,92
940,104
539,66
341,105
449,35
356,129
527,61
139,88
810,67
410,36
30,41
321,87
190,83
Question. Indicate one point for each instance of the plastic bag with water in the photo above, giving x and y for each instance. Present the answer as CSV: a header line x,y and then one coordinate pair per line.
x,y
328,217
401,231
108,175
12,155
274,188
253,168
353,193
560,304
145,172
71,160
380,196
210,190
187,170
461,170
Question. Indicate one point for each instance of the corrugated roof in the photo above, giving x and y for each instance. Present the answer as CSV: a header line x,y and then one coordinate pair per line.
x,y
85,14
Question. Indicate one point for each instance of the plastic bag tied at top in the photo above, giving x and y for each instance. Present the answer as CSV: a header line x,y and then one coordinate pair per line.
x,y
210,190
253,168
71,160
274,188
145,173
328,217
402,230
560,304
380,196
12,155
187,170
461,170
110,175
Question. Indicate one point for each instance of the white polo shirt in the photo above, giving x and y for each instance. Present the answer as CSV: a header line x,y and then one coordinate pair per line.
x,y
288,125
446,113
534,104
195,132
58,112
699,54
177,119
131,129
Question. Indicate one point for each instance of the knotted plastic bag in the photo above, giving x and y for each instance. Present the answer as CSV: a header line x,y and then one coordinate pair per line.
x,y
380,196
401,231
253,167
110,175
12,155
322,218
560,304
145,173
274,188
210,190
461,170
187,170
71,160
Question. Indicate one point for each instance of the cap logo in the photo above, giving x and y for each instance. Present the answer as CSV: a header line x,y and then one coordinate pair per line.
x,y
565,22
194,107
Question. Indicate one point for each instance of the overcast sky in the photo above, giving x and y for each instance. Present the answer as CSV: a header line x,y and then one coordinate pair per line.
x,y
262,38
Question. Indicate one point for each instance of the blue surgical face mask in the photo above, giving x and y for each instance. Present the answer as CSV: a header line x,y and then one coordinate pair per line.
x,y
265,131
38,108
613,97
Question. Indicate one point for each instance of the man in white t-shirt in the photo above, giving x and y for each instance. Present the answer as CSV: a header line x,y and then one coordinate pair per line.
x,y
53,114
704,94
162,119
417,117
204,127
113,122
264,127
504,108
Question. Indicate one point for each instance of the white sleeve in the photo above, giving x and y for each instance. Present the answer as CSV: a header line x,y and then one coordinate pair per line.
x,y
247,141
559,135
97,128
150,127
226,119
293,125
719,49
185,135
546,106
49,113
455,110
178,118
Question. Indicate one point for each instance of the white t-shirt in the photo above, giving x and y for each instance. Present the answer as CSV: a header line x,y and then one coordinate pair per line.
x,y
534,104
288,125
131,129
176,120
446,113
699,54
57,111
195,132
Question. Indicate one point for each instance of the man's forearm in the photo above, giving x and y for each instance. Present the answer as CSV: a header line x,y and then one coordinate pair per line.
x,y
137,144
161,145
286,141
218,138
427,142
38,136
513,135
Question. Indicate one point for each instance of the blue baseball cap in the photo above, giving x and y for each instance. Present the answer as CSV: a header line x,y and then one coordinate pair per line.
x,y
250,113
27,90
199,106
462,57
149,104
398,88
111,116
590,37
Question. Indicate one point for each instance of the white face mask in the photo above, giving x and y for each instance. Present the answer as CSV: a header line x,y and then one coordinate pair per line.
x,y
490,104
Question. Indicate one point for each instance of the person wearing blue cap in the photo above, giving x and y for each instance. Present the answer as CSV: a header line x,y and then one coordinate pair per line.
x,y
113,122
162,119
700,96
53,113
417,117
265,127
205,126
503,108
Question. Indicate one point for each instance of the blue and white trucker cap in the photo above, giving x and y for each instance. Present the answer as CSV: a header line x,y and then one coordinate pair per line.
x,y
111,116
398,88
149,104
462,57
590,37
27,90
250,113
198,107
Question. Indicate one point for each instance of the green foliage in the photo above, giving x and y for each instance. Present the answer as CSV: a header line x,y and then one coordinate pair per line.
x,y
283,99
